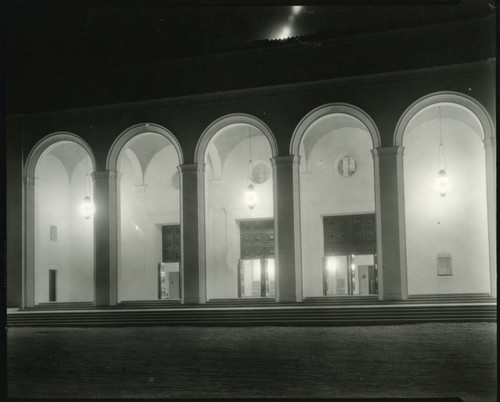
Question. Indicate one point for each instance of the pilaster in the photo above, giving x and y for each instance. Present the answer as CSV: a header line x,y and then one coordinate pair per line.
x,y
106,229
287,228
390,215
491,194
28,299
193,264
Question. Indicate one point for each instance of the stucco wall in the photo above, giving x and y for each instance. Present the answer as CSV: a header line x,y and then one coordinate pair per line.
x,y
456,223
225,207
324,192
144,207
57,203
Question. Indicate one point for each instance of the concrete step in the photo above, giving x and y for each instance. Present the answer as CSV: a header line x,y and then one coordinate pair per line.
x,y
367,315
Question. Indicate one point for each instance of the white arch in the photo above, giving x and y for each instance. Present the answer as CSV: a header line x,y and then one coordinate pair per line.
x,y
52,139
129,133
444,97
489,141
230,119
28,299
333,108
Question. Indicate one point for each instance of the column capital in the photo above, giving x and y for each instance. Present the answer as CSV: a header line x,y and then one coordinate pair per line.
x,y
490,142
388,152
106,175
285,160
30,181
192,168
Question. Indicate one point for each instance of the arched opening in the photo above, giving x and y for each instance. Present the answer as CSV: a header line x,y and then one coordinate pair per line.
x,y
337,202
447,234
63,253
240,239
149,246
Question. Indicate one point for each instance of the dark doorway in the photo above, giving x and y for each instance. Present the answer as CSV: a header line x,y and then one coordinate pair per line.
x,y
52,285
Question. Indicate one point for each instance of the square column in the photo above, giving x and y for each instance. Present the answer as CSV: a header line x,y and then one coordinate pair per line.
x,y
287,228
28,299
390,215
193,264
106,229
491,168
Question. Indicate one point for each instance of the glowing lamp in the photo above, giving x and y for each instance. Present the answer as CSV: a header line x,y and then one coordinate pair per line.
x,y
87,207
251,197
442,183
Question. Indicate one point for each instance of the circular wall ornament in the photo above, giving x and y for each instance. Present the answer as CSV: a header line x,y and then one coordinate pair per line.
x,y
260,172
346,166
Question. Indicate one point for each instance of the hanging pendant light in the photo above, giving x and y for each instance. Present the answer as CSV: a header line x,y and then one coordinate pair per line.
x,y
251,196
87,207
442,181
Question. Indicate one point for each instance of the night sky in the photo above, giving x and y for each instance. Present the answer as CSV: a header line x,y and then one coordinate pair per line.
x,y
78,36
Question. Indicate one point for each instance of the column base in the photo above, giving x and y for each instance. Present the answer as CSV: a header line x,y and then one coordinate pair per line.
x,y
288,299
193,300
393,296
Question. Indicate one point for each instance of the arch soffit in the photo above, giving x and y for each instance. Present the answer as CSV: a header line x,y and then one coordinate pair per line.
x,y
51,139
228,120
333,108
457,98
131,132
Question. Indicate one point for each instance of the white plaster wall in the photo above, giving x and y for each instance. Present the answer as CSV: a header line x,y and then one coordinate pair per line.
x,y
455,224
225,206
144,209
58,202
324,192
82,231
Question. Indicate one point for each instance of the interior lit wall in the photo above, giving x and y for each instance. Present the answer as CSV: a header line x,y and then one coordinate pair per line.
x,y
145,205
225,205
323,191
58,203
82,235
456,223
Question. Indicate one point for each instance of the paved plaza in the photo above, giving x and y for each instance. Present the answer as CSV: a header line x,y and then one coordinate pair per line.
x,y
406,361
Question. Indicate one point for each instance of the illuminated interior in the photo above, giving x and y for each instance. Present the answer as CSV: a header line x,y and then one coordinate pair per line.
x,y
64,248
149,200
236,157
455,224
336,179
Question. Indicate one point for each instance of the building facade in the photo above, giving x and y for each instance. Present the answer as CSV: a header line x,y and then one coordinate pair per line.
x,y
283,171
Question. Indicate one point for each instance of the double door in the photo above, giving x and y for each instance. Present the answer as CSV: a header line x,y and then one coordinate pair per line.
x,y
256,266
256,278
350,260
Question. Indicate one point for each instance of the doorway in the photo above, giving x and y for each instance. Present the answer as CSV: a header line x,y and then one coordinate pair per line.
x,y
169,286
256,278
350,260
52,285
256,266
350,275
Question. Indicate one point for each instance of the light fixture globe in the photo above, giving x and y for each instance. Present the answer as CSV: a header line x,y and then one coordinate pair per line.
x,y
442,183
87,207
251,197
